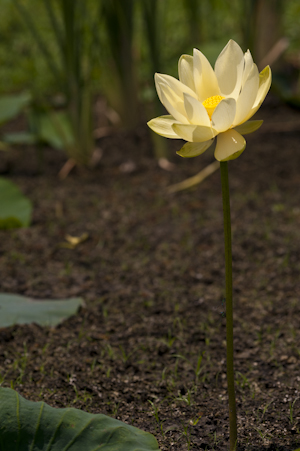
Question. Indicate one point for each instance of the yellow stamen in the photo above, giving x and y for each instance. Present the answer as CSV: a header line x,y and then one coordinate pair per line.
x,y
210,104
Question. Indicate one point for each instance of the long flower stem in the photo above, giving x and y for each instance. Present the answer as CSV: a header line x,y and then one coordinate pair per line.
x,y
229,308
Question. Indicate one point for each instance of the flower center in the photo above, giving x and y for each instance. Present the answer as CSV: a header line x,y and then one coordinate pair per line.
x,y
210,104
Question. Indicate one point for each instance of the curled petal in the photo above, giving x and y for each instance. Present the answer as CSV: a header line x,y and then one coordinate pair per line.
x,y
229,69
248,66
248,127
194,133
206,83
162,86
223,115
196,112
175,85
162,125
185,71
229,146
190,150
248,95
173,103
265,78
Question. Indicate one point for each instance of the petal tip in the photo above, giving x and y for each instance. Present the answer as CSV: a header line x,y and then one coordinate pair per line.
x,y
229,146
233,156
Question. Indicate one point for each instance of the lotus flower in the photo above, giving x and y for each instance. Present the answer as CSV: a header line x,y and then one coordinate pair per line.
x,y
205,104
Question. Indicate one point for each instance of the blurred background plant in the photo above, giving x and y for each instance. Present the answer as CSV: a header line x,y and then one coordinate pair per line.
x,y
69,59
60,56
154,14
118,20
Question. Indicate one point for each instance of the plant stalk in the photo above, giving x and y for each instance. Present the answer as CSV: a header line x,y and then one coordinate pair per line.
x,y
229,307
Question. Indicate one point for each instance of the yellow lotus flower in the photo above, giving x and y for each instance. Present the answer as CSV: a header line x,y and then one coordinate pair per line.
x,y
206,103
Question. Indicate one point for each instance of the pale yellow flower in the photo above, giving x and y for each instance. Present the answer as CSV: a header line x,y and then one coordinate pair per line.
x,y
207,103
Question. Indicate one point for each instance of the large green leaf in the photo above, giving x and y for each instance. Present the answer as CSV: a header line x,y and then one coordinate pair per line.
x,y
12,105
17,309
15,208
35,426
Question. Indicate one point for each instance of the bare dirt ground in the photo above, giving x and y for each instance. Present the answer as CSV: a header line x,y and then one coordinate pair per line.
x,y
148,348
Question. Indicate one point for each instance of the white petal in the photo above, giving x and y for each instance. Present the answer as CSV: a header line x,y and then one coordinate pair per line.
x,y
229,69
162,125
229,146
248,127
206,84
190,150
265,79
248,66
175,85
185,71
194,133
173,104
196,112
223,115
158,88
247,97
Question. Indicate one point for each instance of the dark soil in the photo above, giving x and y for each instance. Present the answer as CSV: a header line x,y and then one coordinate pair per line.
x,y
148,348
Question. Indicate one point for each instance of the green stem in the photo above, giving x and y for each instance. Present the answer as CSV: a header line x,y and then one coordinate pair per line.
x,y
229,309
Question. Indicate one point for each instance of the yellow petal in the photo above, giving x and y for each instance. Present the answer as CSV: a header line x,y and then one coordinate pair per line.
x,y
229,69
223,115
194,133
175,85
196,112
162,125
248,95
206,84
265,79
190,150
185,71
248,127
248,66
73,241
173,104
160,85
229,146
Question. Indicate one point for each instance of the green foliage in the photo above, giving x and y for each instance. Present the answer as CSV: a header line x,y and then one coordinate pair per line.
x,y
36,426
291,20
118,20
53,128
70,64
17,309
15,208
17,138
50,127
194,17
45,127
12,105
154,14
10,223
